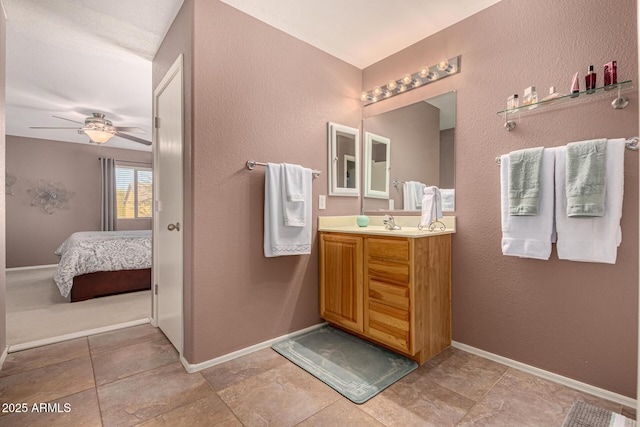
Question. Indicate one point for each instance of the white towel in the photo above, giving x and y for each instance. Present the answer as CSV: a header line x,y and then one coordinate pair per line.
x,y
592,239
412,195
529,236
431,205
448,199
279,239
294,200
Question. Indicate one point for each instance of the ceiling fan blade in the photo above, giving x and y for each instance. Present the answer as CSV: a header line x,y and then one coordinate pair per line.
x,y
45,127
129,129
133,138
69,120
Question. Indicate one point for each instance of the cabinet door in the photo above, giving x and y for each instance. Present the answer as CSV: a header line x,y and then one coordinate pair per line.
x,y
341,280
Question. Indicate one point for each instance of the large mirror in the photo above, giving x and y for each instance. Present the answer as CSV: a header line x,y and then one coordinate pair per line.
x,y
344,160
422,151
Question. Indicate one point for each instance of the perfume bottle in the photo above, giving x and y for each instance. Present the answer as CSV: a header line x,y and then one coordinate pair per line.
x,y
575,86
530,96
610,74
590,80
552,94
513,102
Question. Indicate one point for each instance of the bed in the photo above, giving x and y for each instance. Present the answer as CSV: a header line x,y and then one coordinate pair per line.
x,y
100,263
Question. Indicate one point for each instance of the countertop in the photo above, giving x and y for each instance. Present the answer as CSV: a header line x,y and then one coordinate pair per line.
x,y
409,224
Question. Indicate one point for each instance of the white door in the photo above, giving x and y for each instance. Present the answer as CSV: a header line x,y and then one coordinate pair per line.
x,y
168,193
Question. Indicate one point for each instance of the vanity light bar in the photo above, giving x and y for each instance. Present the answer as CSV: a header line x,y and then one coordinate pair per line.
x,y
423,76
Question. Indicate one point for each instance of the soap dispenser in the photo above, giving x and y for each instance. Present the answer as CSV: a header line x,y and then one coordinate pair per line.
x,y
362,220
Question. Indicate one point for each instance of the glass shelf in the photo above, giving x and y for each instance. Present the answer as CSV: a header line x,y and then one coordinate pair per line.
x,y
612,91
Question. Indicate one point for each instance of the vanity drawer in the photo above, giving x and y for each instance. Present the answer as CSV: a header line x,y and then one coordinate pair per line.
x,y
392,295
389,325
388,248
388,270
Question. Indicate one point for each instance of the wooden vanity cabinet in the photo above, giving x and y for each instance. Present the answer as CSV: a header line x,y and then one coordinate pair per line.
x,y
404,295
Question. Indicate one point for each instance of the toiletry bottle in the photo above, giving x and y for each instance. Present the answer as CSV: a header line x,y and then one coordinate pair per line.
x,y
552,94
530,96
575,86
590,80
362,220
513,102
610,74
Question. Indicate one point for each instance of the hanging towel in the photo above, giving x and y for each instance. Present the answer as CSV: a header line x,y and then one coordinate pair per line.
x,y
594,239
431,205
280,239
412,195
586,177
524,181
448,199
529,236
294,200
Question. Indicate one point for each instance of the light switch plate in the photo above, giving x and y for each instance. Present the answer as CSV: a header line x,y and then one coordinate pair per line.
x,y
322,201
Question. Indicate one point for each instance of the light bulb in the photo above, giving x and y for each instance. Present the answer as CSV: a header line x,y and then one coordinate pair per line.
x,y
377,91
424,72
442,65
402,88
364,96
392,85
406,79
417,82
386,93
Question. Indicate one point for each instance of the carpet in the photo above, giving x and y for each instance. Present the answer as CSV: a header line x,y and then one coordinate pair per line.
x,y
583,414
355,368
36,310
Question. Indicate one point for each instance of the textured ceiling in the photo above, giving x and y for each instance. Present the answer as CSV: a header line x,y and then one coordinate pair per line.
x,y
71,58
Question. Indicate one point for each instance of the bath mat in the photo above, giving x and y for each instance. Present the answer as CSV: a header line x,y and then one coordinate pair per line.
x,y
583,414
353,367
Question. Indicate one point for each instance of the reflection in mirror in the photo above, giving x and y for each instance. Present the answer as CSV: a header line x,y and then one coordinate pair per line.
x,y
377,163
422,151
344,160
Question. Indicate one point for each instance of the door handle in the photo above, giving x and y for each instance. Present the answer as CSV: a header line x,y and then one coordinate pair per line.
x,y
175,226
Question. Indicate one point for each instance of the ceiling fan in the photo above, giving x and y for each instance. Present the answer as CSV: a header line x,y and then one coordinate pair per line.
x,y
100,129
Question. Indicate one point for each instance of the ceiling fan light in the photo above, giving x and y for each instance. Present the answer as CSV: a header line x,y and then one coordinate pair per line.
x,y
99,136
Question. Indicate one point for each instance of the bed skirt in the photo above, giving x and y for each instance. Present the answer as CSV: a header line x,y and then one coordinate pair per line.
x,y
104,283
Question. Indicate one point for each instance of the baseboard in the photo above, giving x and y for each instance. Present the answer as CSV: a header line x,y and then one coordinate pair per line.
x,y
577,385
31,267
191,368
74,335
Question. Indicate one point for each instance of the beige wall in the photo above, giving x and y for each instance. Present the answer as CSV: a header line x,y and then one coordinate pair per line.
x,y
32,235
574,319
3,55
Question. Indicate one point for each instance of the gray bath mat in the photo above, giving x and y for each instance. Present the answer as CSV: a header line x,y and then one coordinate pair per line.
x,y
353,367
583,414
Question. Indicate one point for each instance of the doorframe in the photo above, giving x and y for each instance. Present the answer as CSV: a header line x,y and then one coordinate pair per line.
x,y
176,68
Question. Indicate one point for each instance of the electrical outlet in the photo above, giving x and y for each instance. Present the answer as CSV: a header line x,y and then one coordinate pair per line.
x,y
391,204
322,201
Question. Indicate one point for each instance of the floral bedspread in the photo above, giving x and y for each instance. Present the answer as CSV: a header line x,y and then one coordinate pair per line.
x,y
90,251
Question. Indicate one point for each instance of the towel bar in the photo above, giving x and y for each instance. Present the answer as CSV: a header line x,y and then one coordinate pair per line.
x,y
630,143
251,164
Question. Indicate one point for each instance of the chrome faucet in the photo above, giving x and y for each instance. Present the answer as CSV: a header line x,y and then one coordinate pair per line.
x,y
390,224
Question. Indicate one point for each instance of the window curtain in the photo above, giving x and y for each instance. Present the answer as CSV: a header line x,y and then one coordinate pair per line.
x,y
109,211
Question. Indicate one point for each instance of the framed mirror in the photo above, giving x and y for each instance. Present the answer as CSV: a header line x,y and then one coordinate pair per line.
x,y
423,152
377,155
344,160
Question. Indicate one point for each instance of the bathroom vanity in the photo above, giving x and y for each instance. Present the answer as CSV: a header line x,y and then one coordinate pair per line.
x,y
391,287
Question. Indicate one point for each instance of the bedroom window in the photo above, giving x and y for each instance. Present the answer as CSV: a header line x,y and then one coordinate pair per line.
x,y
134,192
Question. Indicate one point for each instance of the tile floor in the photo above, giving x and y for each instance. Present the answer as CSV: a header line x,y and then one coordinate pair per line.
x,y
133,377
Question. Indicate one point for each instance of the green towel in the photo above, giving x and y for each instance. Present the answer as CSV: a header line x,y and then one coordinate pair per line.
x,y
586,170
524,181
